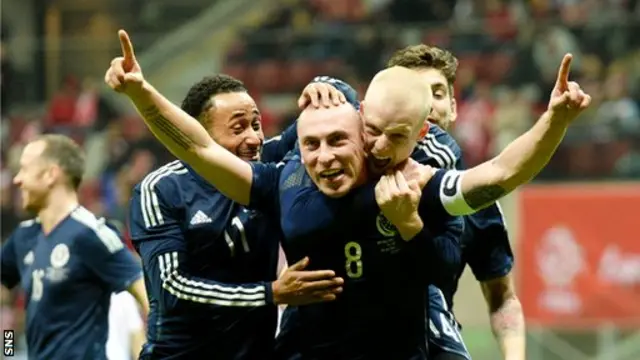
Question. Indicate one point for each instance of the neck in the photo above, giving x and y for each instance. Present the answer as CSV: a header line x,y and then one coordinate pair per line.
x,y
60,204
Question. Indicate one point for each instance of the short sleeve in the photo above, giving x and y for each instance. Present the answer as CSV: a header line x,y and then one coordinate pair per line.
x,y
104,253
10,274
489,255
153,211
438,149
264,187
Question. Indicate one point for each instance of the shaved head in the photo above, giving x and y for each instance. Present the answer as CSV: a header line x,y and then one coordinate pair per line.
x,y
395,110
399,93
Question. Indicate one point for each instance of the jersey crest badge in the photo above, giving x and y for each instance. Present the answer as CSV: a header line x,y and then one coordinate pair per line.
x,y
59,256
385,227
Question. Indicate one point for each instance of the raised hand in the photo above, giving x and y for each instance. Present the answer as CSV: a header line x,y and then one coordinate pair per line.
x,y
125,75
567,98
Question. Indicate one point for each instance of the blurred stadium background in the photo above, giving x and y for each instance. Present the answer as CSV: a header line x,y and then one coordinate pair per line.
x,y
574,231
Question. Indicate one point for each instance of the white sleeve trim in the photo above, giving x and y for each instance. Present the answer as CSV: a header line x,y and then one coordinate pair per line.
x,y
197,291
149,205
451,194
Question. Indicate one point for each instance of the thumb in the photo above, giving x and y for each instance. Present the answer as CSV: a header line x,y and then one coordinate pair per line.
x,y
300,265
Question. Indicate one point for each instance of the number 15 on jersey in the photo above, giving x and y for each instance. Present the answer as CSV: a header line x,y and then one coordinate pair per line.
x,y
353,255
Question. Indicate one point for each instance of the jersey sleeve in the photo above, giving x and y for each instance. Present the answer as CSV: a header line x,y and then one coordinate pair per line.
x,y
275,148
104,253
443,192
438,149
493,257
10,274
490,256
164,255
264,187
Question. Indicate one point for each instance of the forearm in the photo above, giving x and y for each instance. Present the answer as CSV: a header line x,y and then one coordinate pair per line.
x,y
526,156
188,140
183,135
139,292
518,163
508,326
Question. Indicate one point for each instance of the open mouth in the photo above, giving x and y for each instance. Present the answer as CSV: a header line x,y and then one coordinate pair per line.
x,y
379,163
331,174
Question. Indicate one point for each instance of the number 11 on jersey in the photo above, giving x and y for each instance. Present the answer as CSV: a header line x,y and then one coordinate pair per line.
x,y
353,254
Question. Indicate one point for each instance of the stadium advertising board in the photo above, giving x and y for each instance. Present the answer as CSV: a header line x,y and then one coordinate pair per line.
x,y
579,254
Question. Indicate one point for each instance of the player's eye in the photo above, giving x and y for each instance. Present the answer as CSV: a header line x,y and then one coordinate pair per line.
x,y
238,129
373,131
256,125
311,144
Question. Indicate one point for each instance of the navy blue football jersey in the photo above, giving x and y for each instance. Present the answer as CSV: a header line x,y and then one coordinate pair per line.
x,y
208,265
381,313
68,276
485,248
485,245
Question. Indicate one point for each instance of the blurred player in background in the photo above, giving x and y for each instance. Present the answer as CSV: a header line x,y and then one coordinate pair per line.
x,y
485,248
126,328
210,264
68,261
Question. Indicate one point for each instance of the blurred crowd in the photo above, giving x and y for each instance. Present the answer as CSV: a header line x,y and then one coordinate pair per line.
x,y
509,52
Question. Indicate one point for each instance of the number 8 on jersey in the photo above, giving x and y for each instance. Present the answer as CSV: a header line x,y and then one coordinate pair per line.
x,y
353,254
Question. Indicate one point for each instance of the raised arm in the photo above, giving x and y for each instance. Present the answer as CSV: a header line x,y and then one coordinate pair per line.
x,y
183,135
521,160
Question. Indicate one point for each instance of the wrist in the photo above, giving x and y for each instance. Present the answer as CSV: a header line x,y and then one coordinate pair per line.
x,y
558,118
142,96
410,228
272,293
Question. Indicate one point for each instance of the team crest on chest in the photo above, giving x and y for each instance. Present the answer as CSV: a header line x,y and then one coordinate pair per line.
x,y
59,256
385,227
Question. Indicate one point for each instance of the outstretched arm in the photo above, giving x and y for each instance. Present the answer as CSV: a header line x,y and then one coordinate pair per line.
x,y
524,158
183,135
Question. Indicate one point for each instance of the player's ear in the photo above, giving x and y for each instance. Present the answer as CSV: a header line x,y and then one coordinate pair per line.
x,y
454,109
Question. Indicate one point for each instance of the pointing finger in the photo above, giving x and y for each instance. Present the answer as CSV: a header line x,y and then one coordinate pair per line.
x,y
127,48
563,72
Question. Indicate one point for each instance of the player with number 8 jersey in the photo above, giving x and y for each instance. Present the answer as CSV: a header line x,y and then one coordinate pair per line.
x,y
381,313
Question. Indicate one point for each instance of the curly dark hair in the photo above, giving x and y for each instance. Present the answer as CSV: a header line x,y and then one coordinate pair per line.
x,y
425,56
199,97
